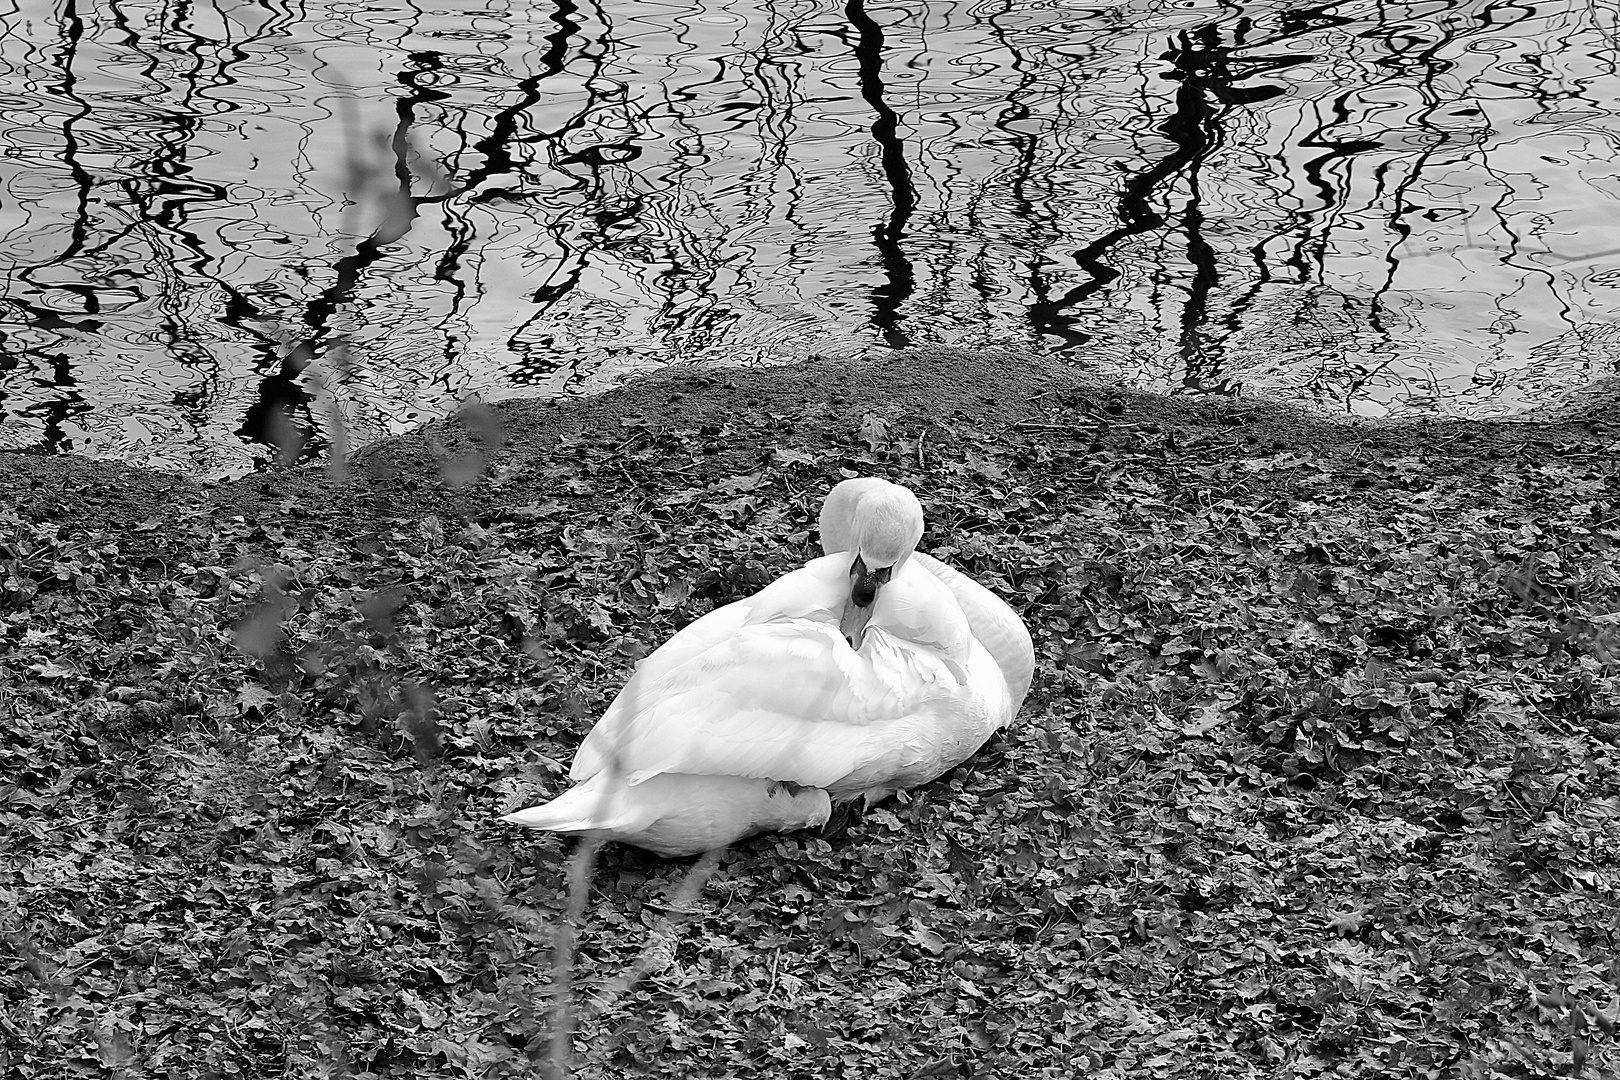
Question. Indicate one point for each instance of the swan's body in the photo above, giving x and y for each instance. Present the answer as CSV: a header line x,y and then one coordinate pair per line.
x,y
761,714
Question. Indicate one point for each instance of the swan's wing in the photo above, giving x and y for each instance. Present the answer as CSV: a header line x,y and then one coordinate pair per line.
x,y
993,622
810,592
786,699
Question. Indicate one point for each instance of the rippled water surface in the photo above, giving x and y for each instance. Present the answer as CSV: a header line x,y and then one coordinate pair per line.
x,y
224,221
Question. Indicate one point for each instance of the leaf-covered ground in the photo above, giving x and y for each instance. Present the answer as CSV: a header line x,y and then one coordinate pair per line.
x,y
1318,776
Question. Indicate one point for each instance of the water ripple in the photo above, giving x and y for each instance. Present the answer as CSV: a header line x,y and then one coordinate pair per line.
x,y
223,224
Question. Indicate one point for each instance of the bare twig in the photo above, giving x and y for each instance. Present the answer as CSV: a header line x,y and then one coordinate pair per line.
x,y
580,866
657,953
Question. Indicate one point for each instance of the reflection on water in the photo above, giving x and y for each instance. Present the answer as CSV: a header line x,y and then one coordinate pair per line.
x,y
221,219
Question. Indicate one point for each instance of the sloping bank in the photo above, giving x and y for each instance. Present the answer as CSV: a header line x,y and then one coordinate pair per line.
x,y
1319,771
1021,400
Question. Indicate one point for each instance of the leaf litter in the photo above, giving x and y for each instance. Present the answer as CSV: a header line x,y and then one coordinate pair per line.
x,y
1317,778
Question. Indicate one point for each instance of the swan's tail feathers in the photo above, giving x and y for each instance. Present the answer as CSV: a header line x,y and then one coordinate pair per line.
x,y
678,813
589,809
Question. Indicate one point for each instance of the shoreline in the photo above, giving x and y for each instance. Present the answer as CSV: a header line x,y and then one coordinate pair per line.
x,y
449,463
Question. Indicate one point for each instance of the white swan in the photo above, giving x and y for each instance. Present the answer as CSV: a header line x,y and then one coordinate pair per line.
x,y
870,669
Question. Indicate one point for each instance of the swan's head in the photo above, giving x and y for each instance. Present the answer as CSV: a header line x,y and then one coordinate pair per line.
x,y
878,524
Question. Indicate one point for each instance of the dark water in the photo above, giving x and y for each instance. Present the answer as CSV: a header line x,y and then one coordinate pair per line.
x,y
221,220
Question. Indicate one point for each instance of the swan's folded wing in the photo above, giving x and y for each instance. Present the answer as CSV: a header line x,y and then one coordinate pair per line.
x,y
787,700
810,592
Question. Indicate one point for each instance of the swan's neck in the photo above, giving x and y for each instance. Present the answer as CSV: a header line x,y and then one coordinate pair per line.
x,y
854,616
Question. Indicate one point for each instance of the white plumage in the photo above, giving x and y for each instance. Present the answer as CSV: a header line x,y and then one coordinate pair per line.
x,y
870,669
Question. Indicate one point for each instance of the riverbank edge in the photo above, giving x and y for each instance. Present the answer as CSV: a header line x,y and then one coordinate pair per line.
x,y
487,457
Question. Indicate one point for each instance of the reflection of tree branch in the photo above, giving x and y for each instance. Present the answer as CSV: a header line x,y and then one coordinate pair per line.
x,y
495,147
1308,251
83,181
401,206
159,203
900,278
1203,67
279,392
57,412
1028,179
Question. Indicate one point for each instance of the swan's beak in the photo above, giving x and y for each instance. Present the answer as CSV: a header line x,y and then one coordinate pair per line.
x,y
863,584
863,590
